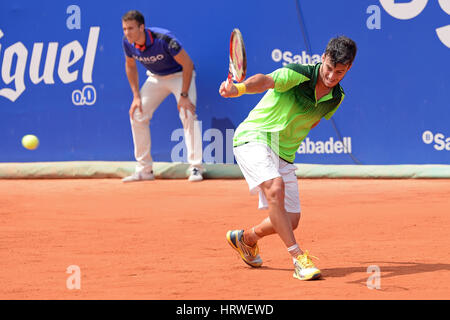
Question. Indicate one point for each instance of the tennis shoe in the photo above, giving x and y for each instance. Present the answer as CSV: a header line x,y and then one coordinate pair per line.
x,y
139,176
304,268
195,175
250,255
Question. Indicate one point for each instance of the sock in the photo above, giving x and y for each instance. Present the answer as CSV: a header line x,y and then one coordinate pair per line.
x,y
294,251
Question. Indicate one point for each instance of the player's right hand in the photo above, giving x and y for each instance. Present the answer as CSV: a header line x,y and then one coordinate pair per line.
x,y
136,104
228,91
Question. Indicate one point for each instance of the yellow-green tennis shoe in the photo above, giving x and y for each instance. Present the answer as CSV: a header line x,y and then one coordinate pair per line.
x,y
305,268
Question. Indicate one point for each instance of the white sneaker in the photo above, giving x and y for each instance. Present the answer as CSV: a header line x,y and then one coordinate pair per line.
x,y
139,176
195,175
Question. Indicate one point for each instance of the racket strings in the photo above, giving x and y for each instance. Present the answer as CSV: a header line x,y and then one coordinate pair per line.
x,y
238,64
237,61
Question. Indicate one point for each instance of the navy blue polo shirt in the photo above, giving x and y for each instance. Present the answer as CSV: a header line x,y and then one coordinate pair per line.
x,y
157,54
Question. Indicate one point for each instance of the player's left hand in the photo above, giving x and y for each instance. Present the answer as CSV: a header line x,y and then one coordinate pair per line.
x,y
185,104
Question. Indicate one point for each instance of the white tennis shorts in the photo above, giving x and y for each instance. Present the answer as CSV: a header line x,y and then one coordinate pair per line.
x,y
259,163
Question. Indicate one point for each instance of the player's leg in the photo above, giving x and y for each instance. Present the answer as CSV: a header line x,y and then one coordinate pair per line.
x,y
191,126
256,163
291,205
153,92
304,268
265,228
274,192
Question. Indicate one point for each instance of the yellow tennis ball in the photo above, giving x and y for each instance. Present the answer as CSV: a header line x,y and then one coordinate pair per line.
x,y
30,142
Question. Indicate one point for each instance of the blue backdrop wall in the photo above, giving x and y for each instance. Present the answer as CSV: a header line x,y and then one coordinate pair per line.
x,y
63,79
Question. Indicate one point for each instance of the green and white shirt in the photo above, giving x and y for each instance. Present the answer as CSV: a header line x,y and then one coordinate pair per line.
x,y
286,113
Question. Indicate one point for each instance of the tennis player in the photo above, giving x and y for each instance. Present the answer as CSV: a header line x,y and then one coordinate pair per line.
x,y
265,144
169,70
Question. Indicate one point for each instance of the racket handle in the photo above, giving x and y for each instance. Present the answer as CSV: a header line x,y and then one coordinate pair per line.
x,y
229,81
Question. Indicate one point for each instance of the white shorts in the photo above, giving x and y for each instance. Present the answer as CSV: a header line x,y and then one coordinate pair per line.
x,y
259,163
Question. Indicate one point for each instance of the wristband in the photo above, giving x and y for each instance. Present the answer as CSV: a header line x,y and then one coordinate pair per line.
x,y
241,88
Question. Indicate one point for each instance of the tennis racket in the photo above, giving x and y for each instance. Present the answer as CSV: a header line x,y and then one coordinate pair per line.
x,y
238,59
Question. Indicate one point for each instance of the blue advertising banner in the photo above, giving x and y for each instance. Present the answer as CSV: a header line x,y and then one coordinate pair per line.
x,y
63,77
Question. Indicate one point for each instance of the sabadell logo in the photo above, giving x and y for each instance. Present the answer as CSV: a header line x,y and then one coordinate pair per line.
x,y
439,141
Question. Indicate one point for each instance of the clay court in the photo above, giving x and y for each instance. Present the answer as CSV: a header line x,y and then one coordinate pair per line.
x,y
165,239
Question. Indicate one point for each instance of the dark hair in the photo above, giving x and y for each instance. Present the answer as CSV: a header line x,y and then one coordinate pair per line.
x,y
134,15
341,50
